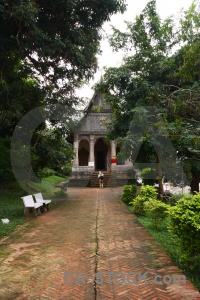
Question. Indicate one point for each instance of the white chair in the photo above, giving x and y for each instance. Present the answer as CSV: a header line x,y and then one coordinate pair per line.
x,y
39,199
30,205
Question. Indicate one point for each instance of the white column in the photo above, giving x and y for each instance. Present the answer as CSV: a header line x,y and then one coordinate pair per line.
x,y
76,146
92,148
113,149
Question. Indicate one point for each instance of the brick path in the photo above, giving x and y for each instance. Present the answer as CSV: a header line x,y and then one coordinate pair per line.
x,y
90,232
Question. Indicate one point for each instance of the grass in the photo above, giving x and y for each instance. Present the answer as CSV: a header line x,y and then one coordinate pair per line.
x,y
55,179
170,243
11,205
46,186
11,208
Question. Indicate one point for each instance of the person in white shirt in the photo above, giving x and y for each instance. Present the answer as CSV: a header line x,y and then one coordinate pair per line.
x,y
101,178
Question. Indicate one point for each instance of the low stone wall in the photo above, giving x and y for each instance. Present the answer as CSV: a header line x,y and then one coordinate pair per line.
x,y
123,174
81,176
122,169
82,171
120,176
79,182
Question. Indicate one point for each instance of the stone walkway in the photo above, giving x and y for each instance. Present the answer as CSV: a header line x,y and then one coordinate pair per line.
x,y
90,247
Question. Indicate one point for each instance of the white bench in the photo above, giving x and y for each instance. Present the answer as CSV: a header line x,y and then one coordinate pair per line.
x,y
39,199
30,205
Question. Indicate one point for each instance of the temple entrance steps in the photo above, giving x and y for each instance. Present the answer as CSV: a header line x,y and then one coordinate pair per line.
x,y
109,179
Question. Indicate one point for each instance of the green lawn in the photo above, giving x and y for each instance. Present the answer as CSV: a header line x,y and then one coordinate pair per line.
x,y
11,204
55,179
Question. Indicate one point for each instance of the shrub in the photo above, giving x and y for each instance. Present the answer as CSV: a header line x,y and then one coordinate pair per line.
x,y
66,170
186,224
138,205
60,194
129,193
173,199
46,172
147,193
157,211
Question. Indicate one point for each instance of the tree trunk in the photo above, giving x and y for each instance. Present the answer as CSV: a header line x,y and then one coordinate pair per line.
x,y
159,178
194,184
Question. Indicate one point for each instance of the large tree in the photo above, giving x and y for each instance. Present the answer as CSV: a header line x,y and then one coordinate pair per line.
x,y
47,49
161,70
58,40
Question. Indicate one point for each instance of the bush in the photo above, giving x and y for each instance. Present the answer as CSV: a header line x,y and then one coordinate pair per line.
x,y
174,198
129,193
147,193
138,205
66,170
186,225
60,194
157,211
46,172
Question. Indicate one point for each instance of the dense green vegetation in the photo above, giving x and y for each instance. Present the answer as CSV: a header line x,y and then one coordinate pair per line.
x,y
174,225
129,192
46,52
11,208
155,94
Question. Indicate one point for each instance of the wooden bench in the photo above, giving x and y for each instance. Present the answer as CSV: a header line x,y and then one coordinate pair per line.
x,y
31,206
39,199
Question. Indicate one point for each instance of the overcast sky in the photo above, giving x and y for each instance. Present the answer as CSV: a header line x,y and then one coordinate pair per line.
x,y
109,58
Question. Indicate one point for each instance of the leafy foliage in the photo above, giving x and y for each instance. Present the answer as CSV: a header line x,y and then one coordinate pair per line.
x,y
147,193
160,69
129,193
60,194
58,41
186,224
173,199
46,172
47,50
148,175
51,151
157,211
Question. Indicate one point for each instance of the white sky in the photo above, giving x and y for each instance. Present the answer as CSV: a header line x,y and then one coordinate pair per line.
x,y
109,58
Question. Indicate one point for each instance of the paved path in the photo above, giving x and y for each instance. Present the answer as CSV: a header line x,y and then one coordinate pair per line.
x,y
91,232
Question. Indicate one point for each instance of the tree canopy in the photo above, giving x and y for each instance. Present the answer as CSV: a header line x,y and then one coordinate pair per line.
x,y
55,39
160,70
47,50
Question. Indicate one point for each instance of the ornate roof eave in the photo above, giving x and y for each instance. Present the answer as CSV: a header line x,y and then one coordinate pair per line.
x,y
86,110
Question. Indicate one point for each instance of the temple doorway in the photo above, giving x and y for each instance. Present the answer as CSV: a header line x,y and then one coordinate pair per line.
x,y
83,153
101,152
